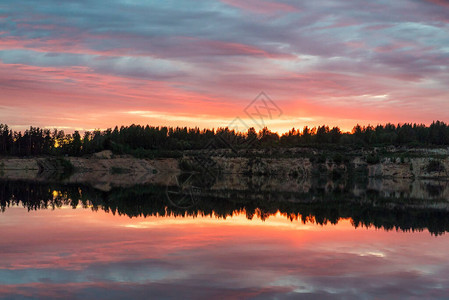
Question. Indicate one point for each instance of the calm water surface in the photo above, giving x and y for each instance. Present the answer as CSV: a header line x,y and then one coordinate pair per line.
x,y
80,253
78,242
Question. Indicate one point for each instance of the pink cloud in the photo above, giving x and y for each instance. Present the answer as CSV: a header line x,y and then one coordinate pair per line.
x,y
264,7
225,48
444,3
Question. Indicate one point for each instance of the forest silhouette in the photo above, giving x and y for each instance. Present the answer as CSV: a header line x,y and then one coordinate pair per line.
x,y
147,140
151,200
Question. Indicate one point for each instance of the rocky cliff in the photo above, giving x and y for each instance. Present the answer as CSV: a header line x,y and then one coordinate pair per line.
x,y
415,167
105,170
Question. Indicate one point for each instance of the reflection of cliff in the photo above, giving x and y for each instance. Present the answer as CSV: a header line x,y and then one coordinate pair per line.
x,y
405,188
320,204
101,172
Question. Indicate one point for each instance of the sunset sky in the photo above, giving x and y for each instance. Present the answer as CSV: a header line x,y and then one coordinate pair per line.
x,y
96,64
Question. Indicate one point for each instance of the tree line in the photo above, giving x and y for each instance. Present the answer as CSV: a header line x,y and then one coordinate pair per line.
x,y
146,140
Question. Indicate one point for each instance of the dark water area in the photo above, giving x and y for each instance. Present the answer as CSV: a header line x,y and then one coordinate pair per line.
x,y
260,238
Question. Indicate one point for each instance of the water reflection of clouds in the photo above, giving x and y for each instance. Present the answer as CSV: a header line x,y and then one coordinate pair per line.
x,y
208,257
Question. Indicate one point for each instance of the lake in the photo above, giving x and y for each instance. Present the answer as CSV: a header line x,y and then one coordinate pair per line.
x,y
74,241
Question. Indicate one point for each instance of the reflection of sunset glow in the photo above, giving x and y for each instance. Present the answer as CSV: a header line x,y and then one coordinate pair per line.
x,y
238,219
83,249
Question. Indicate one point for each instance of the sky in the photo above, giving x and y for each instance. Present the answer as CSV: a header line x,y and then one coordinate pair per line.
x,y
81,65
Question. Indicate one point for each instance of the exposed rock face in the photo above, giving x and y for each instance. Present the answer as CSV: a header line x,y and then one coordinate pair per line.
x,y
105,169
420,167
106,154
115,165
298,166
19,164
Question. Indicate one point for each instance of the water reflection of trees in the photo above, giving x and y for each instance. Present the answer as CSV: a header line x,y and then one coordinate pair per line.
x,y
317,206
